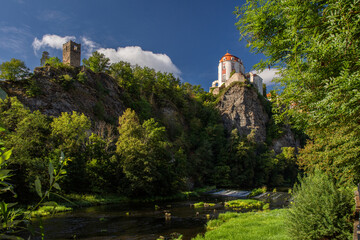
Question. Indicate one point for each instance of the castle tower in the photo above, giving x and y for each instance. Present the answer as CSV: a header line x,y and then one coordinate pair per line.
x,y
227,64
230,64
72,53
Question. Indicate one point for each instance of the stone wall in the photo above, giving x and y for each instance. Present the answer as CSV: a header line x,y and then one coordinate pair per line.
x,y
236,77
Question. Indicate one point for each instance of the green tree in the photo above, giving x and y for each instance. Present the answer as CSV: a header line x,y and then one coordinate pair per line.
x,y
335,152
69,133
144,155
44,57
70,130
99,165
13,70
315,44
97,62
54,62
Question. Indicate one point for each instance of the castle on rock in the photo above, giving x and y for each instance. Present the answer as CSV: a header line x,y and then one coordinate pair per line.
x,y
231,69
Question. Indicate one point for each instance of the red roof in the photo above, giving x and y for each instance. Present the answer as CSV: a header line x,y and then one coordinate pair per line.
x,y
228,57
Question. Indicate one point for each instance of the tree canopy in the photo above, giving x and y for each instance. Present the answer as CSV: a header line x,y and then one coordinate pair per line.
x,y
315,45
14,69
97,62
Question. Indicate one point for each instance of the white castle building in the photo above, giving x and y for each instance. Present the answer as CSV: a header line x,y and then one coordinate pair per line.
x,y
232,65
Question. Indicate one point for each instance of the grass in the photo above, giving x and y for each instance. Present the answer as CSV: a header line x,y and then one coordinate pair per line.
x,y
203,204
82,200
246,204
268,225
49,210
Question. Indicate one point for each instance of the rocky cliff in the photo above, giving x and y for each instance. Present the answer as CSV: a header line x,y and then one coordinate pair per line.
x,y
241,108
69,89
98,96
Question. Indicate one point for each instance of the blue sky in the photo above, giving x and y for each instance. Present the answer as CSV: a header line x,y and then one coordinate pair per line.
x,y
186,37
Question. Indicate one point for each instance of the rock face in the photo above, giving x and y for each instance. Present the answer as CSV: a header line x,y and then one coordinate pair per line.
x,y
241,108
98,96
288,139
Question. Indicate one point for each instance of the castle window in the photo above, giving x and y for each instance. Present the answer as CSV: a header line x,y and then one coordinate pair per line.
x,y
232,58
223,66
224,58
75,48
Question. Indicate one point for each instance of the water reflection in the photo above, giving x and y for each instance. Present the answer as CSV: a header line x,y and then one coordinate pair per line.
x,y
134,221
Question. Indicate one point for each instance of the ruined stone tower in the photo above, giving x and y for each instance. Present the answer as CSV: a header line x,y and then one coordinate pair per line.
x,y
72,53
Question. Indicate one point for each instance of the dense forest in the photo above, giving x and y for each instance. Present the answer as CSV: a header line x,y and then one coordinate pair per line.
x,y
144,152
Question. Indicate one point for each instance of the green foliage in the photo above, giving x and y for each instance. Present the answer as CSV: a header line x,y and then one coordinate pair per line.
x,y
99,110
54,62
13,70
49,209
203,204
144,152
14,221
257,191
44,57
32,88
264,89
315,45
97,62
253,164
174,141
321,209
81,77
70,130
245,204
335,152
100,165
65,81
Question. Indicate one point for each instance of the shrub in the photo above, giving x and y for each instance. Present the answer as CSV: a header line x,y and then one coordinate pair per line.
x,y
320,210
203,204
54,62
245,204
81,77
65,81
257,191
32,88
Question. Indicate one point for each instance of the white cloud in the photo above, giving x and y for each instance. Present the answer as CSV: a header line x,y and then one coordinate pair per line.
x,y
268,75
51,40
136,55
88,46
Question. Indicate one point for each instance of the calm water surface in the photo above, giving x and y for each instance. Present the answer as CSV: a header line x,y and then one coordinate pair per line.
x,y
136,221
132,221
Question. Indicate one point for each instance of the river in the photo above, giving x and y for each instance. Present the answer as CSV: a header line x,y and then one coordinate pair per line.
x,y
134,221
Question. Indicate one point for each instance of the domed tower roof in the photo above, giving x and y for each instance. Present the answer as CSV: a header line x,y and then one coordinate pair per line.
x,y
230,57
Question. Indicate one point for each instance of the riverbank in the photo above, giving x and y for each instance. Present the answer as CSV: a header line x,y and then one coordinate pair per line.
x,y
247,226
70,202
